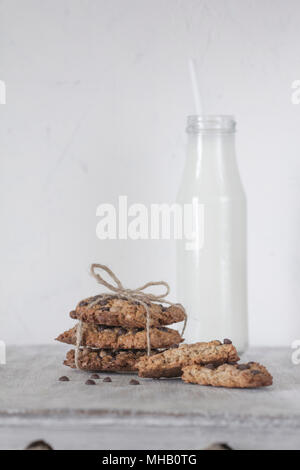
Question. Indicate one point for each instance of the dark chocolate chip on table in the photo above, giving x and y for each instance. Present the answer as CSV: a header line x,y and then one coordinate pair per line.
x,y
95,376
90,382
64,378
134,382
227,341
107,379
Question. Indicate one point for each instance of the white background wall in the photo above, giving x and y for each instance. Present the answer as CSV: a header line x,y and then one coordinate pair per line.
x,y
97,96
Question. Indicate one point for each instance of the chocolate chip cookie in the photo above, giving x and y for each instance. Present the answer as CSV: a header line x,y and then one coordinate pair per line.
x,y
170,363
107,337
249,375
121,312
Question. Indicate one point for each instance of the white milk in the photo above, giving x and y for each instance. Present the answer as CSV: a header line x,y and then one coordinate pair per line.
x,y
212,280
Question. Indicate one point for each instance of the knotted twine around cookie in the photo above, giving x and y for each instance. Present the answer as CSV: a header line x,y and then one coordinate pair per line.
x,y
136,295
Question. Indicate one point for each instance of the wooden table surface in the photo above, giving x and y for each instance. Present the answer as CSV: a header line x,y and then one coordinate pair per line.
x,y
157,414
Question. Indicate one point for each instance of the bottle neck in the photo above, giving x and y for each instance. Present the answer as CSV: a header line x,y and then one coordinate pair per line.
x,y
211,152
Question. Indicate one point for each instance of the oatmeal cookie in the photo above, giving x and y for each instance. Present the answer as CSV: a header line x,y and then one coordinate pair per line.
x,y
170,363
113,311
111,337
105,360
250,375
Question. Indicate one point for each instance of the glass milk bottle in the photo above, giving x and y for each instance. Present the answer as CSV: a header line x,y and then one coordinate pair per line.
x,y
212,277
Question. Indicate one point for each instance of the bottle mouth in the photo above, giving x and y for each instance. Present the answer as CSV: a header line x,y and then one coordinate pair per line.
x,y
198,123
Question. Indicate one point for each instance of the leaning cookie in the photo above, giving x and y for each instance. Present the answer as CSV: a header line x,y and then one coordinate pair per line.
x,y
249,375
108,337
122,312
102,360
170,363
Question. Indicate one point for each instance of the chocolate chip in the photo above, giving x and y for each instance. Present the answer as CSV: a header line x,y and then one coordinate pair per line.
x,y
83,303
96,297
227,341
255,372
121,331
64,378
174,346
163,328
134,382
107,379
106,309
95,376
232,363
210,366
102,302
243,366
101,328
90,382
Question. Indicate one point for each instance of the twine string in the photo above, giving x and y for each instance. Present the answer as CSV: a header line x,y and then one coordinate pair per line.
x,y
136,295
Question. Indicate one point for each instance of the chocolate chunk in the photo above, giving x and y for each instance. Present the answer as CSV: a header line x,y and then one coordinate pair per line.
x,y
101,328
106,309
255,372
227,341
107,379
83,303
95,376
121,331
64,378
243,366
174,346
162,328
90,382
210,366
134,382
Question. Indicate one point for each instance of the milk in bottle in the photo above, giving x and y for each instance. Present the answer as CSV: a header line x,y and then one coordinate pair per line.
x,y
212,278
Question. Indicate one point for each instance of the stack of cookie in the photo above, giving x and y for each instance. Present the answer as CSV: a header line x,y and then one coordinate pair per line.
x,y
213,363
114,335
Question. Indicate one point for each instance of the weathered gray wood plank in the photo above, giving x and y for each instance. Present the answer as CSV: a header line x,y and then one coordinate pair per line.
x,y
155,414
